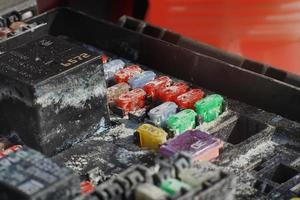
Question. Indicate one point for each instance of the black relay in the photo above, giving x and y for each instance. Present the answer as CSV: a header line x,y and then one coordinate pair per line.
x,y
52,92
28,175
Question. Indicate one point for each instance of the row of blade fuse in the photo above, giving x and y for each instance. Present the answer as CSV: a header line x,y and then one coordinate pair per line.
x,y
145,84
175,97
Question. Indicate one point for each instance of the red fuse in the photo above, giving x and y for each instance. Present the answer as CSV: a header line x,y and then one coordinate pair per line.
x,y
153,87
172,92
188,99
10,150
132,100
128,72
86,187
104,58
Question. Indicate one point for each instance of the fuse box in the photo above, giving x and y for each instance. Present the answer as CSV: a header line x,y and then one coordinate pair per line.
x,y
250,138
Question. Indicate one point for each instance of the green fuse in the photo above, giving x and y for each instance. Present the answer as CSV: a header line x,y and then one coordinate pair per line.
x,y
173,186
182,121
210,107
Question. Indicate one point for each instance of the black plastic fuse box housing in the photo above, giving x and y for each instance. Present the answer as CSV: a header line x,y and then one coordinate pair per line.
x,y
52,92
135,40
159,49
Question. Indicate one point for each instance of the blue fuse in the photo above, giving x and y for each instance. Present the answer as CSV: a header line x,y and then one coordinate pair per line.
x,y
161,113
112,67
140,80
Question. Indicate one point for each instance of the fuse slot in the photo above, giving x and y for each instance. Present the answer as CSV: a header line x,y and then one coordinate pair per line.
x,y
244,128
153,31
171,37
130,23
283,173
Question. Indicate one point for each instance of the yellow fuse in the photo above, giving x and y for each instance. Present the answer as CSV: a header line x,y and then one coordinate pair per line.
x,y
149,136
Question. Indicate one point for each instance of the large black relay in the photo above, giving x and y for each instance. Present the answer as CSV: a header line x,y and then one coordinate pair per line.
x,y
52,93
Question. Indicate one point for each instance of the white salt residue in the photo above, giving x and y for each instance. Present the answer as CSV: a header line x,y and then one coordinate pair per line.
x,y
120,131
244,186
276,119
101,126
75,97
296,163
253,153
111,165
72,90
206,126
98,176
124,156
76,163
60,128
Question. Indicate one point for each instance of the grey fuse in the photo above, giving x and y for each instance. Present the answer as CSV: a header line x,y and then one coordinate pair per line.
x,y
161,113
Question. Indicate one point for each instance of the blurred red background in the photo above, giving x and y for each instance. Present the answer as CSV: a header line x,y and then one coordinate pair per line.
x,y
264,30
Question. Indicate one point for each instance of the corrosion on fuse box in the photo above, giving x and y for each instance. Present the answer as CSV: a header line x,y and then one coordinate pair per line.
x,y
188,99
149,136
152,88
171,93
115,91
111,67
182,121
210,107
132,100
125,74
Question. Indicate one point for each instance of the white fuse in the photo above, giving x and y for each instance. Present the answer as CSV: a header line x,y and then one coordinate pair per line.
x,y
112,67
195,178
148,191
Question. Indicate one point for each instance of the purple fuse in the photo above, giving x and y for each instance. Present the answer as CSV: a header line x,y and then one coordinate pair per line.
x,y
200,145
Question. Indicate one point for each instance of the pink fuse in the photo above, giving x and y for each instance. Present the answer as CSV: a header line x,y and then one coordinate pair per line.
x,y
115,91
